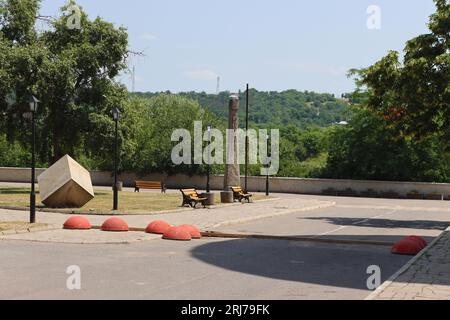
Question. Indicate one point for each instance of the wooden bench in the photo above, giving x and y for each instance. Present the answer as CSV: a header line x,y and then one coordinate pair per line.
x,y
240,194
149,185
192,198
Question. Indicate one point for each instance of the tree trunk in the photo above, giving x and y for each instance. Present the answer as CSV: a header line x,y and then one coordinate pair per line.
x,y
57,147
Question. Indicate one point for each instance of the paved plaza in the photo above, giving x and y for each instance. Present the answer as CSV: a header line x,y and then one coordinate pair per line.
x,y
136,265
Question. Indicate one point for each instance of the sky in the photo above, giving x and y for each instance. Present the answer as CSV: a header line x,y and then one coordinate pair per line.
x,y
273,45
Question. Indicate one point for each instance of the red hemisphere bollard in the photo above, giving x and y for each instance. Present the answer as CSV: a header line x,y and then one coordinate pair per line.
x,y
115,225
177,233
77,223
158,227
193,231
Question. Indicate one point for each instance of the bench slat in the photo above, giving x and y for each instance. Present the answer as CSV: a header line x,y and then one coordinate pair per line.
x,y
240,194
190,196
149,185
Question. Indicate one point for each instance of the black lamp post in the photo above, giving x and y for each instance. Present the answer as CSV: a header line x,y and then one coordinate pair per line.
x,y
208,175
268,167
247,104
33,108
116,116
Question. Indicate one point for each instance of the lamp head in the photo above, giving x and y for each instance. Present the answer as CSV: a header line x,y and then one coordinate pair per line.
x,y
115,113
33,102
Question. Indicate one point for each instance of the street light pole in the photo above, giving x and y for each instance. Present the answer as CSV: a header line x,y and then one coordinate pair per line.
x,y
33,108
246,138
208,176
116,117
268,167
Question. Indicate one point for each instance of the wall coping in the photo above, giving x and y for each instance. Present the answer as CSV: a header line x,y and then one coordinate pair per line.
x,y
278,178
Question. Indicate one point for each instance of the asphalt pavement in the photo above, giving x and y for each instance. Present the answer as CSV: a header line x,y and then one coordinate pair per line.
x,y
232,268
203,269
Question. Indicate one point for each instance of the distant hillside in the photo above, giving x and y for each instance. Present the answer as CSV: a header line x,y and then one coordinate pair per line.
x,y
278,108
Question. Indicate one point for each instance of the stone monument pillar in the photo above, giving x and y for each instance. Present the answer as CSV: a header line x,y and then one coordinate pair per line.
x,y
232,168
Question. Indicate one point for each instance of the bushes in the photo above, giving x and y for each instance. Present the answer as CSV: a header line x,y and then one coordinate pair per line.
x,y
12,154
368,149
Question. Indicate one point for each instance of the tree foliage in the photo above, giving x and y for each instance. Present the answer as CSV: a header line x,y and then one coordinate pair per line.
x,y
277,108
71,71
369,149
159,117
413,95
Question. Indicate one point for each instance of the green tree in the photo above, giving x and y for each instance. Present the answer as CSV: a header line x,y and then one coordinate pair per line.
x,y
413,95
369,149
160,116
277,108
71,71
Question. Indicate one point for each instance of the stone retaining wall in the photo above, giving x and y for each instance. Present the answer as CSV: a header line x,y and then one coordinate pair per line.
x,y
281,185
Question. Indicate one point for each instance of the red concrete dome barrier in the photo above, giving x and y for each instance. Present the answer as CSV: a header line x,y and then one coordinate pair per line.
x,y
115,224
407,246
193,231
77,223
177,233
419,240
158,227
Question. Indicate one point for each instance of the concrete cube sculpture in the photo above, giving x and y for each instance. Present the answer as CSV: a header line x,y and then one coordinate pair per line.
x,y
66,184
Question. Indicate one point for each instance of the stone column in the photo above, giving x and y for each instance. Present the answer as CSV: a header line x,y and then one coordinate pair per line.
x,y
232,168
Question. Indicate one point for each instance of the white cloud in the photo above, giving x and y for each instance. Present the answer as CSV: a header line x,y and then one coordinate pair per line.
x,y
148,36
201,74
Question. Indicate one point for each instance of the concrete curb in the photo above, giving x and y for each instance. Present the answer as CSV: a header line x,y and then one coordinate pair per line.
x,y
214,234
405,268
123,214
30,230
125,242
69,213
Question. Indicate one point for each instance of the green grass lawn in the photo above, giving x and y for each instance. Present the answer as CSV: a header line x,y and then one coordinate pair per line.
x,y
129,202
17,225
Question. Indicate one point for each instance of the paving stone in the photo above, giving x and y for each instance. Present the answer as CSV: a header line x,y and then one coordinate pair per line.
x,y
428,278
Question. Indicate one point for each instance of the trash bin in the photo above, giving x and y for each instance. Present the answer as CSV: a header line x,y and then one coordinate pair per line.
x,y
210,196
226,197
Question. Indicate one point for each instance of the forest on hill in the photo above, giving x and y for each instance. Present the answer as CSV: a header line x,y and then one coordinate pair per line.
x,y
291,107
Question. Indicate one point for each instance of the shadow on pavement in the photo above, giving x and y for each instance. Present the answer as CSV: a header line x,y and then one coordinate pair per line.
x,y
315,263
386,223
